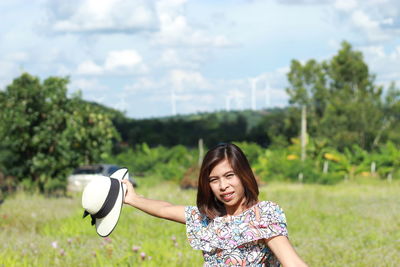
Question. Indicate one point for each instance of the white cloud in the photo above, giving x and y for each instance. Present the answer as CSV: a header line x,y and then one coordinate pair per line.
x,y
117,62
8,69
144,84
234,99
170,57
369,26
195,103
88,67
122,59
122,103
18,56
374,51
304,2
92,90
377,20
183,79
88,85
345,5
385,64
92,16
175,29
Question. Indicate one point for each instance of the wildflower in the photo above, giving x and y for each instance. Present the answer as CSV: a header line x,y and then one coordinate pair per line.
x,y
149,258
107,239
292,157
69,240
62,252
54,244
135,248
173,238
143,256
94,253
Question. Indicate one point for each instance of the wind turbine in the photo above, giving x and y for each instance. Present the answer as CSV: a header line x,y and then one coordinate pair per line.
x,y
267,94
253,82
173,101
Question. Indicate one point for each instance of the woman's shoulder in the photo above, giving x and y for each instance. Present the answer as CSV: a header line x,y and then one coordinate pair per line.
x,y
194,216
270,211
266,204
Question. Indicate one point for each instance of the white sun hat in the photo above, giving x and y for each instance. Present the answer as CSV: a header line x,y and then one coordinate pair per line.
x,y
102,199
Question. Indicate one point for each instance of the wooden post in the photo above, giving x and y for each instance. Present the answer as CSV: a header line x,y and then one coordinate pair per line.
x,y
326,167
373,168
303,135
300,177
389,177
201,151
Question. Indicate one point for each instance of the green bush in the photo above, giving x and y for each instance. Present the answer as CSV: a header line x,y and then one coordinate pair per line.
x,y
251,150
169,163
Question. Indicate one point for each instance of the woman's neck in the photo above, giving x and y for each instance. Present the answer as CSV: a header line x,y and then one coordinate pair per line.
x,y
237,209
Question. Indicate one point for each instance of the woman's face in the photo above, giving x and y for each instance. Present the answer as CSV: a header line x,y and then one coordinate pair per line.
x,y
227,187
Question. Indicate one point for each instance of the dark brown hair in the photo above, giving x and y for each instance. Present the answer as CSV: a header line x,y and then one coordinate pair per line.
x,y
206,202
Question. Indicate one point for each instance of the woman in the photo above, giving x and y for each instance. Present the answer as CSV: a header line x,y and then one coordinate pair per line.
x,y
229,224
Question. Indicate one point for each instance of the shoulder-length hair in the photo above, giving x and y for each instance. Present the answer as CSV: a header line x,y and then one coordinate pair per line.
x,y
207,203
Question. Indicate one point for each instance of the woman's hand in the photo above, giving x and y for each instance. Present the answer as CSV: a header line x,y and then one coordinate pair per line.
x,y
130,194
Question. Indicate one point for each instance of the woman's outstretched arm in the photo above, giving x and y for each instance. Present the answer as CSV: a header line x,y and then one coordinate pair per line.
x,y
284,251
157,208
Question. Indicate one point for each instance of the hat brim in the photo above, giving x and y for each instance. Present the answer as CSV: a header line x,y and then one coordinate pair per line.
x,y
105,225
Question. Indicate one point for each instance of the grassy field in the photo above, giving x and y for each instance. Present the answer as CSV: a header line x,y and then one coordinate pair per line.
x,y
349,224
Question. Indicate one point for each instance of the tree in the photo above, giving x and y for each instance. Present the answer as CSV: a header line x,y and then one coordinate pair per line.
x,y
345,106
390,127
45,133
308,88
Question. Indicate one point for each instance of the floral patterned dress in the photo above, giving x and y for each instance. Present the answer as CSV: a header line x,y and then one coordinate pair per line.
x,y
236,240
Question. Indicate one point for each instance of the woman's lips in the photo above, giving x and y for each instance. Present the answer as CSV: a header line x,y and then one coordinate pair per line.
x,y
227,196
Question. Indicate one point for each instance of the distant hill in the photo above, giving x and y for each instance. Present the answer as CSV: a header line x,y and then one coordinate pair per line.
x,y
212,127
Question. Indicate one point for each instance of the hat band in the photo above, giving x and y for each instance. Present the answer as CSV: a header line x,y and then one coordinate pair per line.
x,y
108,203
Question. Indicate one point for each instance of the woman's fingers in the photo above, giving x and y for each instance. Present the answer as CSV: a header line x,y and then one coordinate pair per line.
x,y
129,190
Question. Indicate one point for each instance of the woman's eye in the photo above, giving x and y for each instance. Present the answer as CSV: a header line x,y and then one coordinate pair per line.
x,y
230,175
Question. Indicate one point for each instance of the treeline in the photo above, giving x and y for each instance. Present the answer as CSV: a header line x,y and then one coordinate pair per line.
x,y
45,133
261,127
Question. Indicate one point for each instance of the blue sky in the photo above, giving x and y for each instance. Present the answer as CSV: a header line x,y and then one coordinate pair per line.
x,y
159,58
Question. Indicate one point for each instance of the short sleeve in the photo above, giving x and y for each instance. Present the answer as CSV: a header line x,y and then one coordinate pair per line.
x,y
196,223
269,220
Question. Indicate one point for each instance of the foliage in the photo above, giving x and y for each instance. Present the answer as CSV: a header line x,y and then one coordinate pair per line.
x,y
325,164
344,105
169,163
251,150
45,133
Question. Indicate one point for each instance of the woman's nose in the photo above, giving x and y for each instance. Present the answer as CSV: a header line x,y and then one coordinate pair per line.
x,y
223,184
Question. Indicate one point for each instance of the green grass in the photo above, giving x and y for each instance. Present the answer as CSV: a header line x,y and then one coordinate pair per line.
x,y
349,224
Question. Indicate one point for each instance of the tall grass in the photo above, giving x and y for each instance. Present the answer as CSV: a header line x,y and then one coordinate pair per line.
x,y
348,224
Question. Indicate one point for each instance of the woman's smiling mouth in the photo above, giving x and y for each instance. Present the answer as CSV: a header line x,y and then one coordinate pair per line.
x,y
227,196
